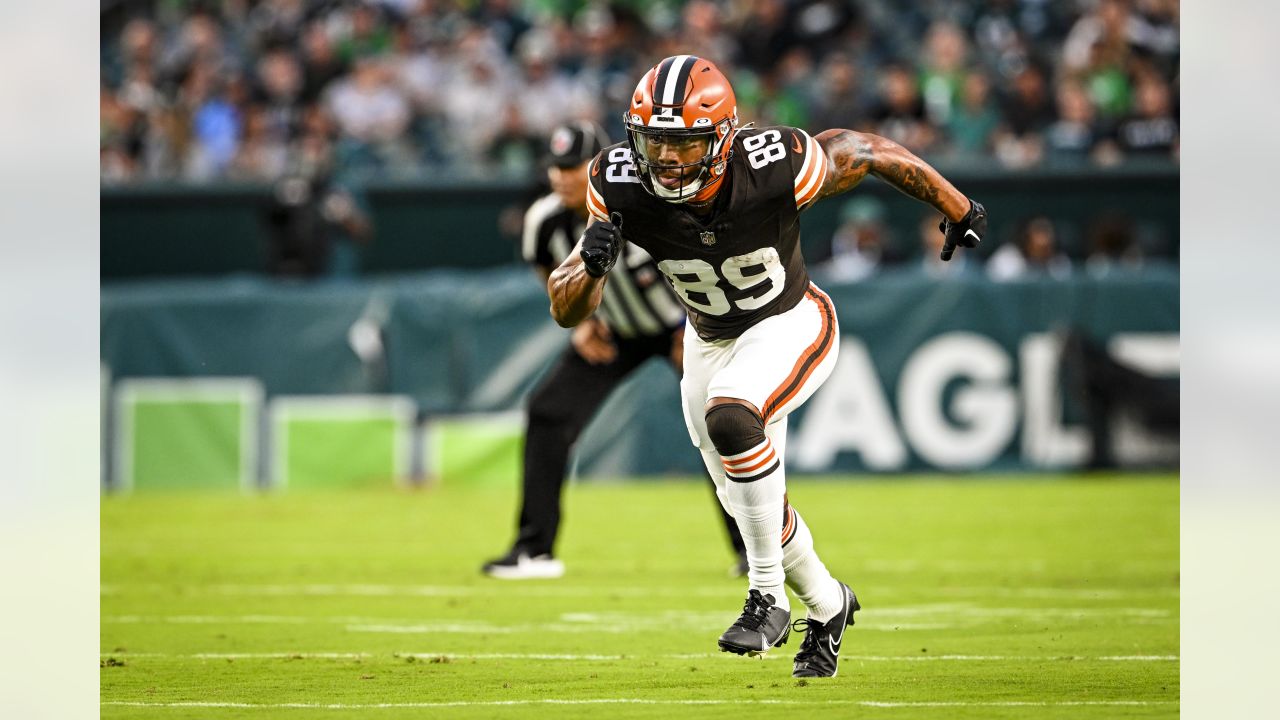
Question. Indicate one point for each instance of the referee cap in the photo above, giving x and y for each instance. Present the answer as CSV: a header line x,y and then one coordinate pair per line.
x,y
575,143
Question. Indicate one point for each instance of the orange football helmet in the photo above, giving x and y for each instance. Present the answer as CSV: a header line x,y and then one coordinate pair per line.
x,y
680,126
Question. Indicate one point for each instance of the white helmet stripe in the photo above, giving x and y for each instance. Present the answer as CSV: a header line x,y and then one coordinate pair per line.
x,y
673,75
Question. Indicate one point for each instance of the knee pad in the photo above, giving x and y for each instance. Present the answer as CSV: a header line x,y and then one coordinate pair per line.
x,y
734,428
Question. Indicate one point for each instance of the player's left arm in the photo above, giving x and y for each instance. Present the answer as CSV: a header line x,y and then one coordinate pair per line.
x,y
851,156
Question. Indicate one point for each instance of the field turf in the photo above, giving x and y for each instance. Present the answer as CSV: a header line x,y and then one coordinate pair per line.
x,y
1000,598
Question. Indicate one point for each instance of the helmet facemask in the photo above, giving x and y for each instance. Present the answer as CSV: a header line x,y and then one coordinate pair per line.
x,y
673,164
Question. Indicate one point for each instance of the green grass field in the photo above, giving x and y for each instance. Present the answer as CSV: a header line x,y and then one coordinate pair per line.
x,y
1039,598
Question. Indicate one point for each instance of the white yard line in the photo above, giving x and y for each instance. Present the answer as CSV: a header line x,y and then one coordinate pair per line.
x,y
888,619
552,589
533,588
637,701
412,627
673,656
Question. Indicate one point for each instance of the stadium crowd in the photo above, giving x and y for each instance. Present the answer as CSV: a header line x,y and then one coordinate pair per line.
x,y
261,89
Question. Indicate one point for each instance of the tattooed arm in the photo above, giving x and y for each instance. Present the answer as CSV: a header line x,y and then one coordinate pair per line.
x,y
851,155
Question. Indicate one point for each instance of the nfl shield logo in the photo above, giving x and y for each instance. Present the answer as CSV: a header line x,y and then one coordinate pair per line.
x,y
561,141
708,237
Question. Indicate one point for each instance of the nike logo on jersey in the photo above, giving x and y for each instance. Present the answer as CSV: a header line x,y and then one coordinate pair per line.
x,y
595,167
796,143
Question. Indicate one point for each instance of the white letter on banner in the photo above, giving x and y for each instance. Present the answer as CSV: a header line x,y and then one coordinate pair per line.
x,y
988,407
849,413
1045,440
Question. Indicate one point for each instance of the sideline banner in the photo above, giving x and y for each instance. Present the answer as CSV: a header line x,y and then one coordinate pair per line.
x,y
953,374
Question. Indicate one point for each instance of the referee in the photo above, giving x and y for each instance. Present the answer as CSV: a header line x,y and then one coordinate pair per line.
x,y
639,318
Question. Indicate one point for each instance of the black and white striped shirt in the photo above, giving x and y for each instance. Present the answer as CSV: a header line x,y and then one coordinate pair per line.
x,y
637,300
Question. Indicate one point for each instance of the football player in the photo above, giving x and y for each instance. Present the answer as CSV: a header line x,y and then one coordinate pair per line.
x,y
718,205
639,318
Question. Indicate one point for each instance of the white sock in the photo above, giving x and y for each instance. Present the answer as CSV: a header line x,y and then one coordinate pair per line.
x,y
806,574
757,507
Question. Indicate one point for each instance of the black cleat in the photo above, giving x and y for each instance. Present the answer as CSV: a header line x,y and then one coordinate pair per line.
x,y
762,625
820,649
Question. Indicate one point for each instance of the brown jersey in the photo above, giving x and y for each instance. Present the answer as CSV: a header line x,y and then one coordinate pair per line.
x,y
741,263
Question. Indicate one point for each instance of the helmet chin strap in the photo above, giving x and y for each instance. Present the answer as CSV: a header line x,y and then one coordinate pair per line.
x,y
684,193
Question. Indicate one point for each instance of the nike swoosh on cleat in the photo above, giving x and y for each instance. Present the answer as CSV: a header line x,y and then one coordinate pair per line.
x,y
832,641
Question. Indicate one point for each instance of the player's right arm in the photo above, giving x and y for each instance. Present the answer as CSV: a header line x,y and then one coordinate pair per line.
x,y
575,294
578,284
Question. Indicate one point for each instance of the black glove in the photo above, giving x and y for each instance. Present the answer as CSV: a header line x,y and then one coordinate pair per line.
x,y
600,245
966,232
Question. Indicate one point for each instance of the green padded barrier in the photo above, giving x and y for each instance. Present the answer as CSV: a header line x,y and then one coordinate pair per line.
x,y
479,449
187,434
340,441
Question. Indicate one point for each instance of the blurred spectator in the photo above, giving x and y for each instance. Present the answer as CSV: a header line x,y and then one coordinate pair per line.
x,y
1027,112
1107,81
279,90
1113,26
602,52
818,24
544,96
503,22
477,97
703,33
139,45
312,153
778,97
120,134
138,91
976,117
1112,246
764,37
114,165
899,114
943,75
262,153
837,96
215,121
320,62
999,40
1152,129
368,35
167,142
1074,134
276,23
421,69
372,116
483,79
862,244
200,43
1033,253
1161,33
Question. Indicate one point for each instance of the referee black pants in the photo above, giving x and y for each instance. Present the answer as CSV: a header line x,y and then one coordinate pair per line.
x,y
559,408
